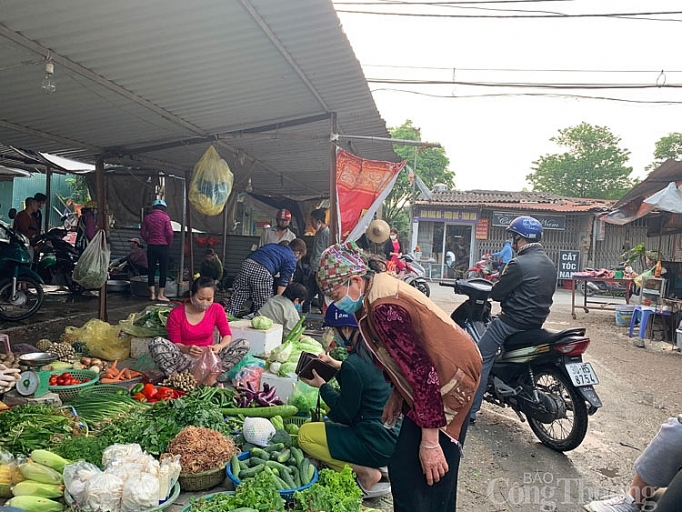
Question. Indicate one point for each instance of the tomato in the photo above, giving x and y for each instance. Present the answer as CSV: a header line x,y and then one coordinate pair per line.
x,y
53,380
61,381
85,380
66,375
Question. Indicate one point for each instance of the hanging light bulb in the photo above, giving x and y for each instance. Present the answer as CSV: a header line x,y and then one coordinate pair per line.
x,y
49,84
249,188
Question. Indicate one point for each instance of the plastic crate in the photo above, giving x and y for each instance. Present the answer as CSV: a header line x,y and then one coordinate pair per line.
x,y
296,420
68,393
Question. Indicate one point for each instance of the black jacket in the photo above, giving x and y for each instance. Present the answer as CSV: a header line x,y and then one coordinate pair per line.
x,y
525,288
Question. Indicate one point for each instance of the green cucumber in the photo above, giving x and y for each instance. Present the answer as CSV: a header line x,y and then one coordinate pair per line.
x,y
284,456
297,476
274,447
257,460
234,466
259,452
272,464
285,411
247,473
297,454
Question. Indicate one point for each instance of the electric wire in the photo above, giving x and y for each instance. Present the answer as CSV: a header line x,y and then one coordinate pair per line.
x,y
520,70
522,84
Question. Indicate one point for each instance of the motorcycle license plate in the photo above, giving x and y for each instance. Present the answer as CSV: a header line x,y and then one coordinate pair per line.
x,y
582,374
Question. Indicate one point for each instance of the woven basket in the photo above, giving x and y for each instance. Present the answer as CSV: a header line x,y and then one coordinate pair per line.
x,y
68,393
202,481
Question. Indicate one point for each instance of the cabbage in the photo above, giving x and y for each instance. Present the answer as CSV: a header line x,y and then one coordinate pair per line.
x,y
286,369
262,323
274,367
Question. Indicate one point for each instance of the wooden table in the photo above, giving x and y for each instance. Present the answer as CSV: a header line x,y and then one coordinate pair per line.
x,y
604,306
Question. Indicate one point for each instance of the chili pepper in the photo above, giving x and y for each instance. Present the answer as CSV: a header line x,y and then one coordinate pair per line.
x,y
149,390
139,397
137,388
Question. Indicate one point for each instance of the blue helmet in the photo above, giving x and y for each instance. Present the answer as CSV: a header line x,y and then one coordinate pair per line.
x,y
337,318
159,202
526,227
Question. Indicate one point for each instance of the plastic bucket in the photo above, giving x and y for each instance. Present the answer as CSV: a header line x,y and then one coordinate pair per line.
x,y
624,315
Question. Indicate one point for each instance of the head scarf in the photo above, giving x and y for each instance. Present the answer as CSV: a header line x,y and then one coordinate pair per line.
x,y
338,263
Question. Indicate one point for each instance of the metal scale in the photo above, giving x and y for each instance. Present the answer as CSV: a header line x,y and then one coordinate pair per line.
x,y
35,382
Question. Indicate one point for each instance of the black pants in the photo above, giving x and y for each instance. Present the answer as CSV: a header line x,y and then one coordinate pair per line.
x,y
670,502
157,253
410,491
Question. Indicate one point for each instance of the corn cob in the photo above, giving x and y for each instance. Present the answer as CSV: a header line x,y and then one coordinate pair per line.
x,y
39,473
5,474
31,488
49,459
35,504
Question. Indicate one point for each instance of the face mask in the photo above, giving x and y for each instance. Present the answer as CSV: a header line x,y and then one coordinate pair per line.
x,y
393,237
201,306
348,305
449,263
298,307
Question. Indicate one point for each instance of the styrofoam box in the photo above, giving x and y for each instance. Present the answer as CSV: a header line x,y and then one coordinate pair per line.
x,y
261,342
284,385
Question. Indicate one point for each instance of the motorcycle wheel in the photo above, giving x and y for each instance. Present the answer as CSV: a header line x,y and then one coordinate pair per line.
x,y
473,274
422,287
584,289
566,433
27,301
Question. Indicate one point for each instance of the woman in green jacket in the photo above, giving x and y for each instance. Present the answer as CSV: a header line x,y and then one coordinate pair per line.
x,y
355,435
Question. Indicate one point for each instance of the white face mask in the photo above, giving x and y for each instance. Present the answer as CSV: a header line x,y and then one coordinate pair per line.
x,y
393,237
201,306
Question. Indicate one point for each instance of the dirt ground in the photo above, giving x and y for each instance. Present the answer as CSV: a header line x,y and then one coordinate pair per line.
x,y
505,467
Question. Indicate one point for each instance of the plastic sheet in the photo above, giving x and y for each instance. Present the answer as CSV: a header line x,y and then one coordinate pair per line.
x,y
102,340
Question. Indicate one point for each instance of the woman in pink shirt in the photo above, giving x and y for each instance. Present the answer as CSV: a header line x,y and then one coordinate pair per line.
x,y
190,331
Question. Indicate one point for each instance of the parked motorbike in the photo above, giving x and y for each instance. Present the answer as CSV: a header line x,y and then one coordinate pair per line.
x,y
540,374
485,268
55,259
591,288
21,290
414,274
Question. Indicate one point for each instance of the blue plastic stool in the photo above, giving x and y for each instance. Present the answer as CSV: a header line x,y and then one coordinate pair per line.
x,y
647,314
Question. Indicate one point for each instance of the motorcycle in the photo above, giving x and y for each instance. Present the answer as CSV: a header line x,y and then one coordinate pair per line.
x,y
55,259
540,374
485,268
591,288
21,290
413,274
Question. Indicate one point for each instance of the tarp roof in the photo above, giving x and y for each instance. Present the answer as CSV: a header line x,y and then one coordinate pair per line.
x,y
658,179
153,83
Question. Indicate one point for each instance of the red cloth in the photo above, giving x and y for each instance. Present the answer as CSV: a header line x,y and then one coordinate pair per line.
x,y
201,334
156,228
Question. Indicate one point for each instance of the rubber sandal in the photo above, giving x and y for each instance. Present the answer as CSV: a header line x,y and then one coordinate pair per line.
x,y
376,491
384,474
163,299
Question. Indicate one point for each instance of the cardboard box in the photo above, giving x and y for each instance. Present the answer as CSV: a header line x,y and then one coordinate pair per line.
x,y
261,342
284,385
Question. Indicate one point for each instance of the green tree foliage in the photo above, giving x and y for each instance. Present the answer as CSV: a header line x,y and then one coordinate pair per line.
x,y
79,189
593,165
432,168
667,147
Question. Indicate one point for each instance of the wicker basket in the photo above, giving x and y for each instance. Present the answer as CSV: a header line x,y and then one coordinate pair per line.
x,y
68,393
202,481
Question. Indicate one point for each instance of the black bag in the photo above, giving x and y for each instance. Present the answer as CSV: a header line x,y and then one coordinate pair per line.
x,y
308,362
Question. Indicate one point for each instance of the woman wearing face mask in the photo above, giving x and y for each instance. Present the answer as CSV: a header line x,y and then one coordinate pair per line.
x,y
284,309
190,331
355,436
394,250
434,367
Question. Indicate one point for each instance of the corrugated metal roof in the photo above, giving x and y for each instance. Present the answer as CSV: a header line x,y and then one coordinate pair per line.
x,y
527,201
136,75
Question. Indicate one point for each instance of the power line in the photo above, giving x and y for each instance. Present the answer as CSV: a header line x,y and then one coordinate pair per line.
x,y
522,84
520,70
446,4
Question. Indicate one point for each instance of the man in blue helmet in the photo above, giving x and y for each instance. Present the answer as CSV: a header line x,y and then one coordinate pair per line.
x,y
524,291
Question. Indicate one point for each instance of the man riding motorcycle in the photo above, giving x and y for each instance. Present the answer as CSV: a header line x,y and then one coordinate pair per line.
x,y
525,291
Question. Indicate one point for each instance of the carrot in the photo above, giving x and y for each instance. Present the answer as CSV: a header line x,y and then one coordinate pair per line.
x,y
125,374
113,367
107,380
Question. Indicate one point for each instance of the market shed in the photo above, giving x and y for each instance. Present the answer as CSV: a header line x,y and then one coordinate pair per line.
x,y
149,85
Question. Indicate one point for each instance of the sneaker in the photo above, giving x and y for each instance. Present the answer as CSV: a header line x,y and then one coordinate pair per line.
x,y
622,503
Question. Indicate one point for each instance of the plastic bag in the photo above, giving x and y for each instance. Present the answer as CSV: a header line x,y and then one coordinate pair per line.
x,y
103,493
92,268
102,340
247,360
248,375
207,367
76,475
211,183
148,323
140,494
303,397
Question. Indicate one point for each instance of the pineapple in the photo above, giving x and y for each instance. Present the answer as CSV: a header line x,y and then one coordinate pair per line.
x,y
44,345
68,337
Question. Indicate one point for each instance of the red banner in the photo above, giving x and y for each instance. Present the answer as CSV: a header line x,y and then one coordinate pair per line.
x,y
361,184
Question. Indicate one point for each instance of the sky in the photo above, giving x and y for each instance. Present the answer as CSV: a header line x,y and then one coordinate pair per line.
x,y
492,141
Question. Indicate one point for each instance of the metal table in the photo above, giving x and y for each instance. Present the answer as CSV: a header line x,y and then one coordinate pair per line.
x,y
604,306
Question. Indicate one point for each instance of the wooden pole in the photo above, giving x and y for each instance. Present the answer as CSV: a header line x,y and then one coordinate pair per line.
x,y
48,201
334,213
183,230
191,242
101,224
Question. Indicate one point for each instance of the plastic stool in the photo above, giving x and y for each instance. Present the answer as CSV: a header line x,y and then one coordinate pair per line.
x,y
646,316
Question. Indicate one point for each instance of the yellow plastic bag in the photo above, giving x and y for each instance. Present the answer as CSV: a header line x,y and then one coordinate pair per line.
x,y
211,183
102,340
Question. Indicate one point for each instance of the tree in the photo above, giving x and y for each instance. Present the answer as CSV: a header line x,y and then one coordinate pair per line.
x,y
593,165
669,146
432,168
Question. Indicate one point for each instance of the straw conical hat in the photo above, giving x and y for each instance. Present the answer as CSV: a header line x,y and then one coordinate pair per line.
x,y
378,231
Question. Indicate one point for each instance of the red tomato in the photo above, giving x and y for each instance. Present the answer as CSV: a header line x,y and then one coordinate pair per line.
x,y
53,380
66,375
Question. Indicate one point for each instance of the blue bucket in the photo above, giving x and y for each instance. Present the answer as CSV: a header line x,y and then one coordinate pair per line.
x,y
624,315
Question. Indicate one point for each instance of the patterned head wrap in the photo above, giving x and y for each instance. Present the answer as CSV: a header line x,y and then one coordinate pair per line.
x,y
338,263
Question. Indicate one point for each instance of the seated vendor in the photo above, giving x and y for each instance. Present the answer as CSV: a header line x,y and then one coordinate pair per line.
x,y
355,435
190,331
8,378
284,309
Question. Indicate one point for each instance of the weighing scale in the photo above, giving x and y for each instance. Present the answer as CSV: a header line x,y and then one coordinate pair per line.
x,y
35,382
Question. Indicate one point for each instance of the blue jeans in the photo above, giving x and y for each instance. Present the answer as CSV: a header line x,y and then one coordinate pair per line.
x,y
493,338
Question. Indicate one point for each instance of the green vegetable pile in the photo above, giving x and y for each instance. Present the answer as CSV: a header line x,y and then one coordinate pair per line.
x,y
151,322
256,494
25,428
333,491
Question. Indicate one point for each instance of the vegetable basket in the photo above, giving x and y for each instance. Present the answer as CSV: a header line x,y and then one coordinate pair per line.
x,y
296,420
102,389
287,494
202,481
175,492
68,393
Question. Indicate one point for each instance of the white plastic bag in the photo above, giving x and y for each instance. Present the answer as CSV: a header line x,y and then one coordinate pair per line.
x,y
76,475
103,493
92,268
141,493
